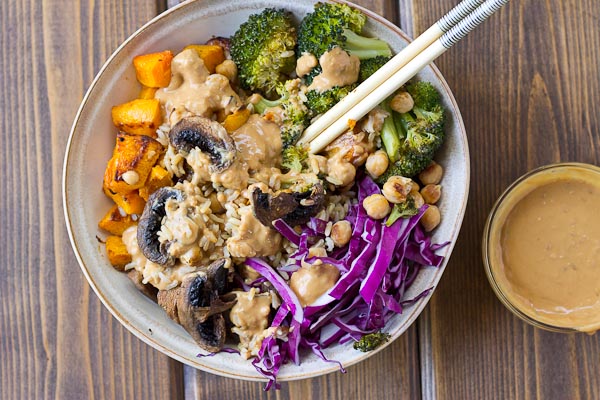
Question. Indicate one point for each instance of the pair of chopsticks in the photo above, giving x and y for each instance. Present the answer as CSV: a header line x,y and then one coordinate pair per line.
x,y
442,35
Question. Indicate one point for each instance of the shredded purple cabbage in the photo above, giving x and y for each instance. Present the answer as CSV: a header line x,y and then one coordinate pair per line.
x,y
377,267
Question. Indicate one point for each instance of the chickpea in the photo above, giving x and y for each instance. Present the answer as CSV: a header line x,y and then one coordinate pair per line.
x,y
317,252
417,198
402,102
318,164
415,187
397,188
341,232
377,163
376,206
431,218
228,69
431,193
432,175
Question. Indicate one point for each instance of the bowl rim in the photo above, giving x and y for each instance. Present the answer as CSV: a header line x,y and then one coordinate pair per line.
x,y
327,367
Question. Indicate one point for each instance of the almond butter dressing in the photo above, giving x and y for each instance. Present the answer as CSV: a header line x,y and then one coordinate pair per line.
x,y
312,281
545,252
193,91
253,238
339,69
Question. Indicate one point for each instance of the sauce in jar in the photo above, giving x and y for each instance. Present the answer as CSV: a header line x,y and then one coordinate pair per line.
x,y
543,247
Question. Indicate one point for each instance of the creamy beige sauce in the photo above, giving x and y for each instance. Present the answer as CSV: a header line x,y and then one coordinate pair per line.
x,y
312,281
253,238
546,249
305,64
189,227
258,144
162,278
193,91
250,315
339,69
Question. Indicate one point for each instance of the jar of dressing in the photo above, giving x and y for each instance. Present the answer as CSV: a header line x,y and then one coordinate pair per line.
x,y
541,247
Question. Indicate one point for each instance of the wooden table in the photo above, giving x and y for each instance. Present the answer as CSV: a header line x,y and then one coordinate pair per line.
x,y
527,83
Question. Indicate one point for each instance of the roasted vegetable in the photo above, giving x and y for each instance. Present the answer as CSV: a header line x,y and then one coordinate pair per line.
x,y
147,93
369,66
334,24
371,341
114,222
117,252
405,209
236,120
211,54
154,70
131,163
159,177
294,114
320,102
422,132
131,203
138,117
263,50
294,158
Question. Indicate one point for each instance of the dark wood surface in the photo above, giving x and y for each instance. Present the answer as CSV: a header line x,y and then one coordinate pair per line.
x,y
527,83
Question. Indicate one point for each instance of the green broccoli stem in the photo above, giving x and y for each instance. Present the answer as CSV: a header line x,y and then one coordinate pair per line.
x,y
363,47
389,134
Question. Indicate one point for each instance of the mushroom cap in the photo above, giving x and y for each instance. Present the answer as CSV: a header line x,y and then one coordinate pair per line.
x,y
150,224
295,208
207,135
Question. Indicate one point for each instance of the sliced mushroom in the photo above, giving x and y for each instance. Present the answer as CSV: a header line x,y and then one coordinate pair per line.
x,y
295,208
150,224
207,135
199,305
147,289
211,334
167,299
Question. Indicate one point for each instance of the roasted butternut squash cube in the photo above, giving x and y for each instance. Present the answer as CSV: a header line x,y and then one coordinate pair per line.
x,y
131,163
211,54
147,93
154,70
131,203
117,252
138,117
159,177
114,222
236,120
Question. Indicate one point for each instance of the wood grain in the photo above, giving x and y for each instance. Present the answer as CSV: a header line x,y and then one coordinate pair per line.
x,y
57,340
527,85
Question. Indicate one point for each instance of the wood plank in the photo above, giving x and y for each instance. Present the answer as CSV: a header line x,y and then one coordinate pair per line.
x,y
56,339
363,381
527,85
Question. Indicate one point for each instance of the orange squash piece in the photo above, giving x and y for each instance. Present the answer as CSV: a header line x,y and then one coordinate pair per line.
x,y
117,252
211,54
147,93
236,120
131,203
114,222
131,163
159,177
154,70
138,117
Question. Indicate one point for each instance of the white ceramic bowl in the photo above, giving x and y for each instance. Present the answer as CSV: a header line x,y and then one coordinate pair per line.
x,y
90,146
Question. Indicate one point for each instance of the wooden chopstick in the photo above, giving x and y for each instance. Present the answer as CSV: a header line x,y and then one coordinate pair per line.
x,y
442,26
362,106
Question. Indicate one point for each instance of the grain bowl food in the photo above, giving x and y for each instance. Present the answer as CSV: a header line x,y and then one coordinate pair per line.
x,y
248,242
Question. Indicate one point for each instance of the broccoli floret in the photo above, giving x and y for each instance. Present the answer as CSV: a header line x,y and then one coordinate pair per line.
x,y
333,24
370,65
371,341
320,102
263,50
423,132
390,136
402,210
294,115
294,158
